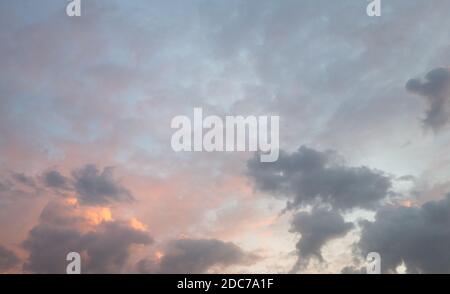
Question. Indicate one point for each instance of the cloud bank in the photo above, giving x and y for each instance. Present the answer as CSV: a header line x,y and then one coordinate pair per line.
x,y
195,256
308,176
419,237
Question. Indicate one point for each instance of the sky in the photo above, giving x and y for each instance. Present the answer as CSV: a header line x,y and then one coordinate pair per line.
x,y
86,163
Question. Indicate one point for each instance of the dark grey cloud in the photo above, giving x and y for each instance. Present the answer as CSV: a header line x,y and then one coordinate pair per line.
x,y
105,250
417,236
54,179
8,259
56,234
310,177
48,247
91,185
105,247
319,179
98,187
436,91
108,247
195,256
316,228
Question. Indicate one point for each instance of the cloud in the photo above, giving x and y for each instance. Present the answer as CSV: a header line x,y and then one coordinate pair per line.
x,y
60,213
55,179
310,177
105,250
66,227
436,91
351,270
48,247
316,228
196,256
249,57
108,247
8,259
99,187
322,180
79,221
24,179
91,185
417,236
15,186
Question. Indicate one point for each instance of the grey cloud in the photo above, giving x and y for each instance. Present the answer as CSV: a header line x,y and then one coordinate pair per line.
x,y
89,184
8,259
61,229
310,177
16,186
196,256
407,178
3,187
24,179
58,213
108,247
417,236
48,247
316,228
55,179
351,270
436,91
99,187
147,266
56,234
321,179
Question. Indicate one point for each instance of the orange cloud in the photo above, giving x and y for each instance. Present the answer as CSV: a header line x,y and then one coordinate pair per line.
x,y
98,215
137,225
